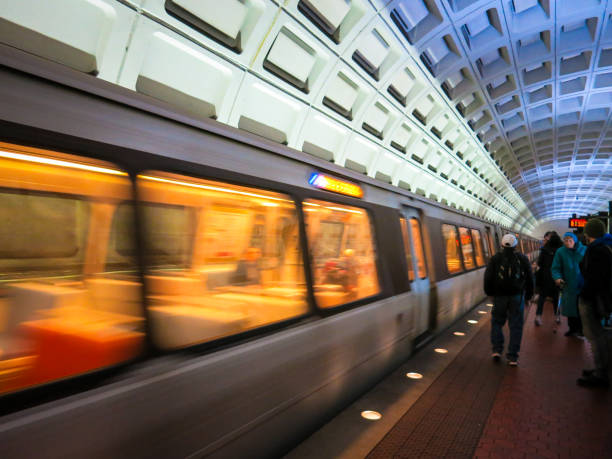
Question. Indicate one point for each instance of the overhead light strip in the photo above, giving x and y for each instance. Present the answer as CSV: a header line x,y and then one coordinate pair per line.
x,y
59,162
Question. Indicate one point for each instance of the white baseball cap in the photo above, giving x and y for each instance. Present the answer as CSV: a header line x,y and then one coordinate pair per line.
x,y
509,240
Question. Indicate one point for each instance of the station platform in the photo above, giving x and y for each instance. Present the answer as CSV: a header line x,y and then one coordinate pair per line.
x,y
465,405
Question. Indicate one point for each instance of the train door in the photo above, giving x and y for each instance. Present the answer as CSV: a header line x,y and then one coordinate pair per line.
x,y
488,237
497,243
419,278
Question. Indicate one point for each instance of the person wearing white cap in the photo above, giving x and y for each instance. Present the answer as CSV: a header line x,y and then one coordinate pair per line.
x,y
509,280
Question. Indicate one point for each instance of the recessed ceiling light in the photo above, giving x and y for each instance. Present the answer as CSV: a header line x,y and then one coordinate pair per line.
x,y
441,351
371,415
459,334
472,321
482,312
414,375
490,305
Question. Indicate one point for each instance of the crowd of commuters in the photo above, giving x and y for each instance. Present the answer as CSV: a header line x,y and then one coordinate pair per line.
x,y
574,277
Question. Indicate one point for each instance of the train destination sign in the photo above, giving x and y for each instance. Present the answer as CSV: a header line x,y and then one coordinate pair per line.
x,y
325,182
577,222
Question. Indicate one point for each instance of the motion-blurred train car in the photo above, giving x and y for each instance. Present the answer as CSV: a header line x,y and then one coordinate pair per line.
x,y
170,286
235,310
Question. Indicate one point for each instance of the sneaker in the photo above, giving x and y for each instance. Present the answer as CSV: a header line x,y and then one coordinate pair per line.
x,y
593,381
496,356
538,320
512,362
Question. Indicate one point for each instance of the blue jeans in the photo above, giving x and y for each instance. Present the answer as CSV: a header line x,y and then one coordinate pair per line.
x,y
507,308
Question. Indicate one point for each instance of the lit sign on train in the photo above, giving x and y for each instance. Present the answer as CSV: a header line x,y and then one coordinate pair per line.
x,y
325,182
577,222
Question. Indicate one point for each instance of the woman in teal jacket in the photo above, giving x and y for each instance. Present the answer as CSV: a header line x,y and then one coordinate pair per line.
x,y
566,274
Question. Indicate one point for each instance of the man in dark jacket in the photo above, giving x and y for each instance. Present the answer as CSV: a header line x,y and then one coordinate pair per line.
x,y
544,282
508,276
595,301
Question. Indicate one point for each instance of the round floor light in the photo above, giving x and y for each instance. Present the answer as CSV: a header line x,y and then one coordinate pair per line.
x,y
371,415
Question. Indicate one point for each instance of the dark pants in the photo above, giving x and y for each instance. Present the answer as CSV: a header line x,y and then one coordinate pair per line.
x,y
597,336
575,325
542,298
508,308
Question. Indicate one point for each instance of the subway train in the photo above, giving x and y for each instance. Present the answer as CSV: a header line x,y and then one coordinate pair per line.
x,y
174,287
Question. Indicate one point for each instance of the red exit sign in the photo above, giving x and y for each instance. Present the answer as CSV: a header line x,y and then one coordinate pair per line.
x,y
577,222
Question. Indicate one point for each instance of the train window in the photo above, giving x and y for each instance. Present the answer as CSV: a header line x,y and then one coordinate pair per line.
x,y
489,248
478,245
121,253
407,248
45,227
69,304
169,238
220,258
466,248
342,252
486,245
453,259
415,226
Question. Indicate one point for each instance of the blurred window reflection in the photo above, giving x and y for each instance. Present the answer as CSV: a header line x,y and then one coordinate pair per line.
x,y
488,245
220,258
466,248
70,303
476,237
342,251
453,260
415,227
407,248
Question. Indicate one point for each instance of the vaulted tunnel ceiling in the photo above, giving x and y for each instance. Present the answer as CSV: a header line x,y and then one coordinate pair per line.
x,y
500,108
541,75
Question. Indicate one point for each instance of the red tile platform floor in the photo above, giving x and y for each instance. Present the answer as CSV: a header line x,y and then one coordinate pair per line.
x,y
480,409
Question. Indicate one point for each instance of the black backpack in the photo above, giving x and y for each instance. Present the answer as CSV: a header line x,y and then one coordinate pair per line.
x,y
509,277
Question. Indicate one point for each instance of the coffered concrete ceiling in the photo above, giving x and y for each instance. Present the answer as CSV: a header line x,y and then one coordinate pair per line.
x,y
499,108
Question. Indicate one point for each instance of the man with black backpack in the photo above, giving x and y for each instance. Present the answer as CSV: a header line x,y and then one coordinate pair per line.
x,y
595,301
508,276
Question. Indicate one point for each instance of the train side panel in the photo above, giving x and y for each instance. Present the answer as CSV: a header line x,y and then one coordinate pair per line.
x,y
257,398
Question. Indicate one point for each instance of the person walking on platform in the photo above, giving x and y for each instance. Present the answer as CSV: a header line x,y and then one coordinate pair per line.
x,y
509,280
595,302
545,285
566,273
